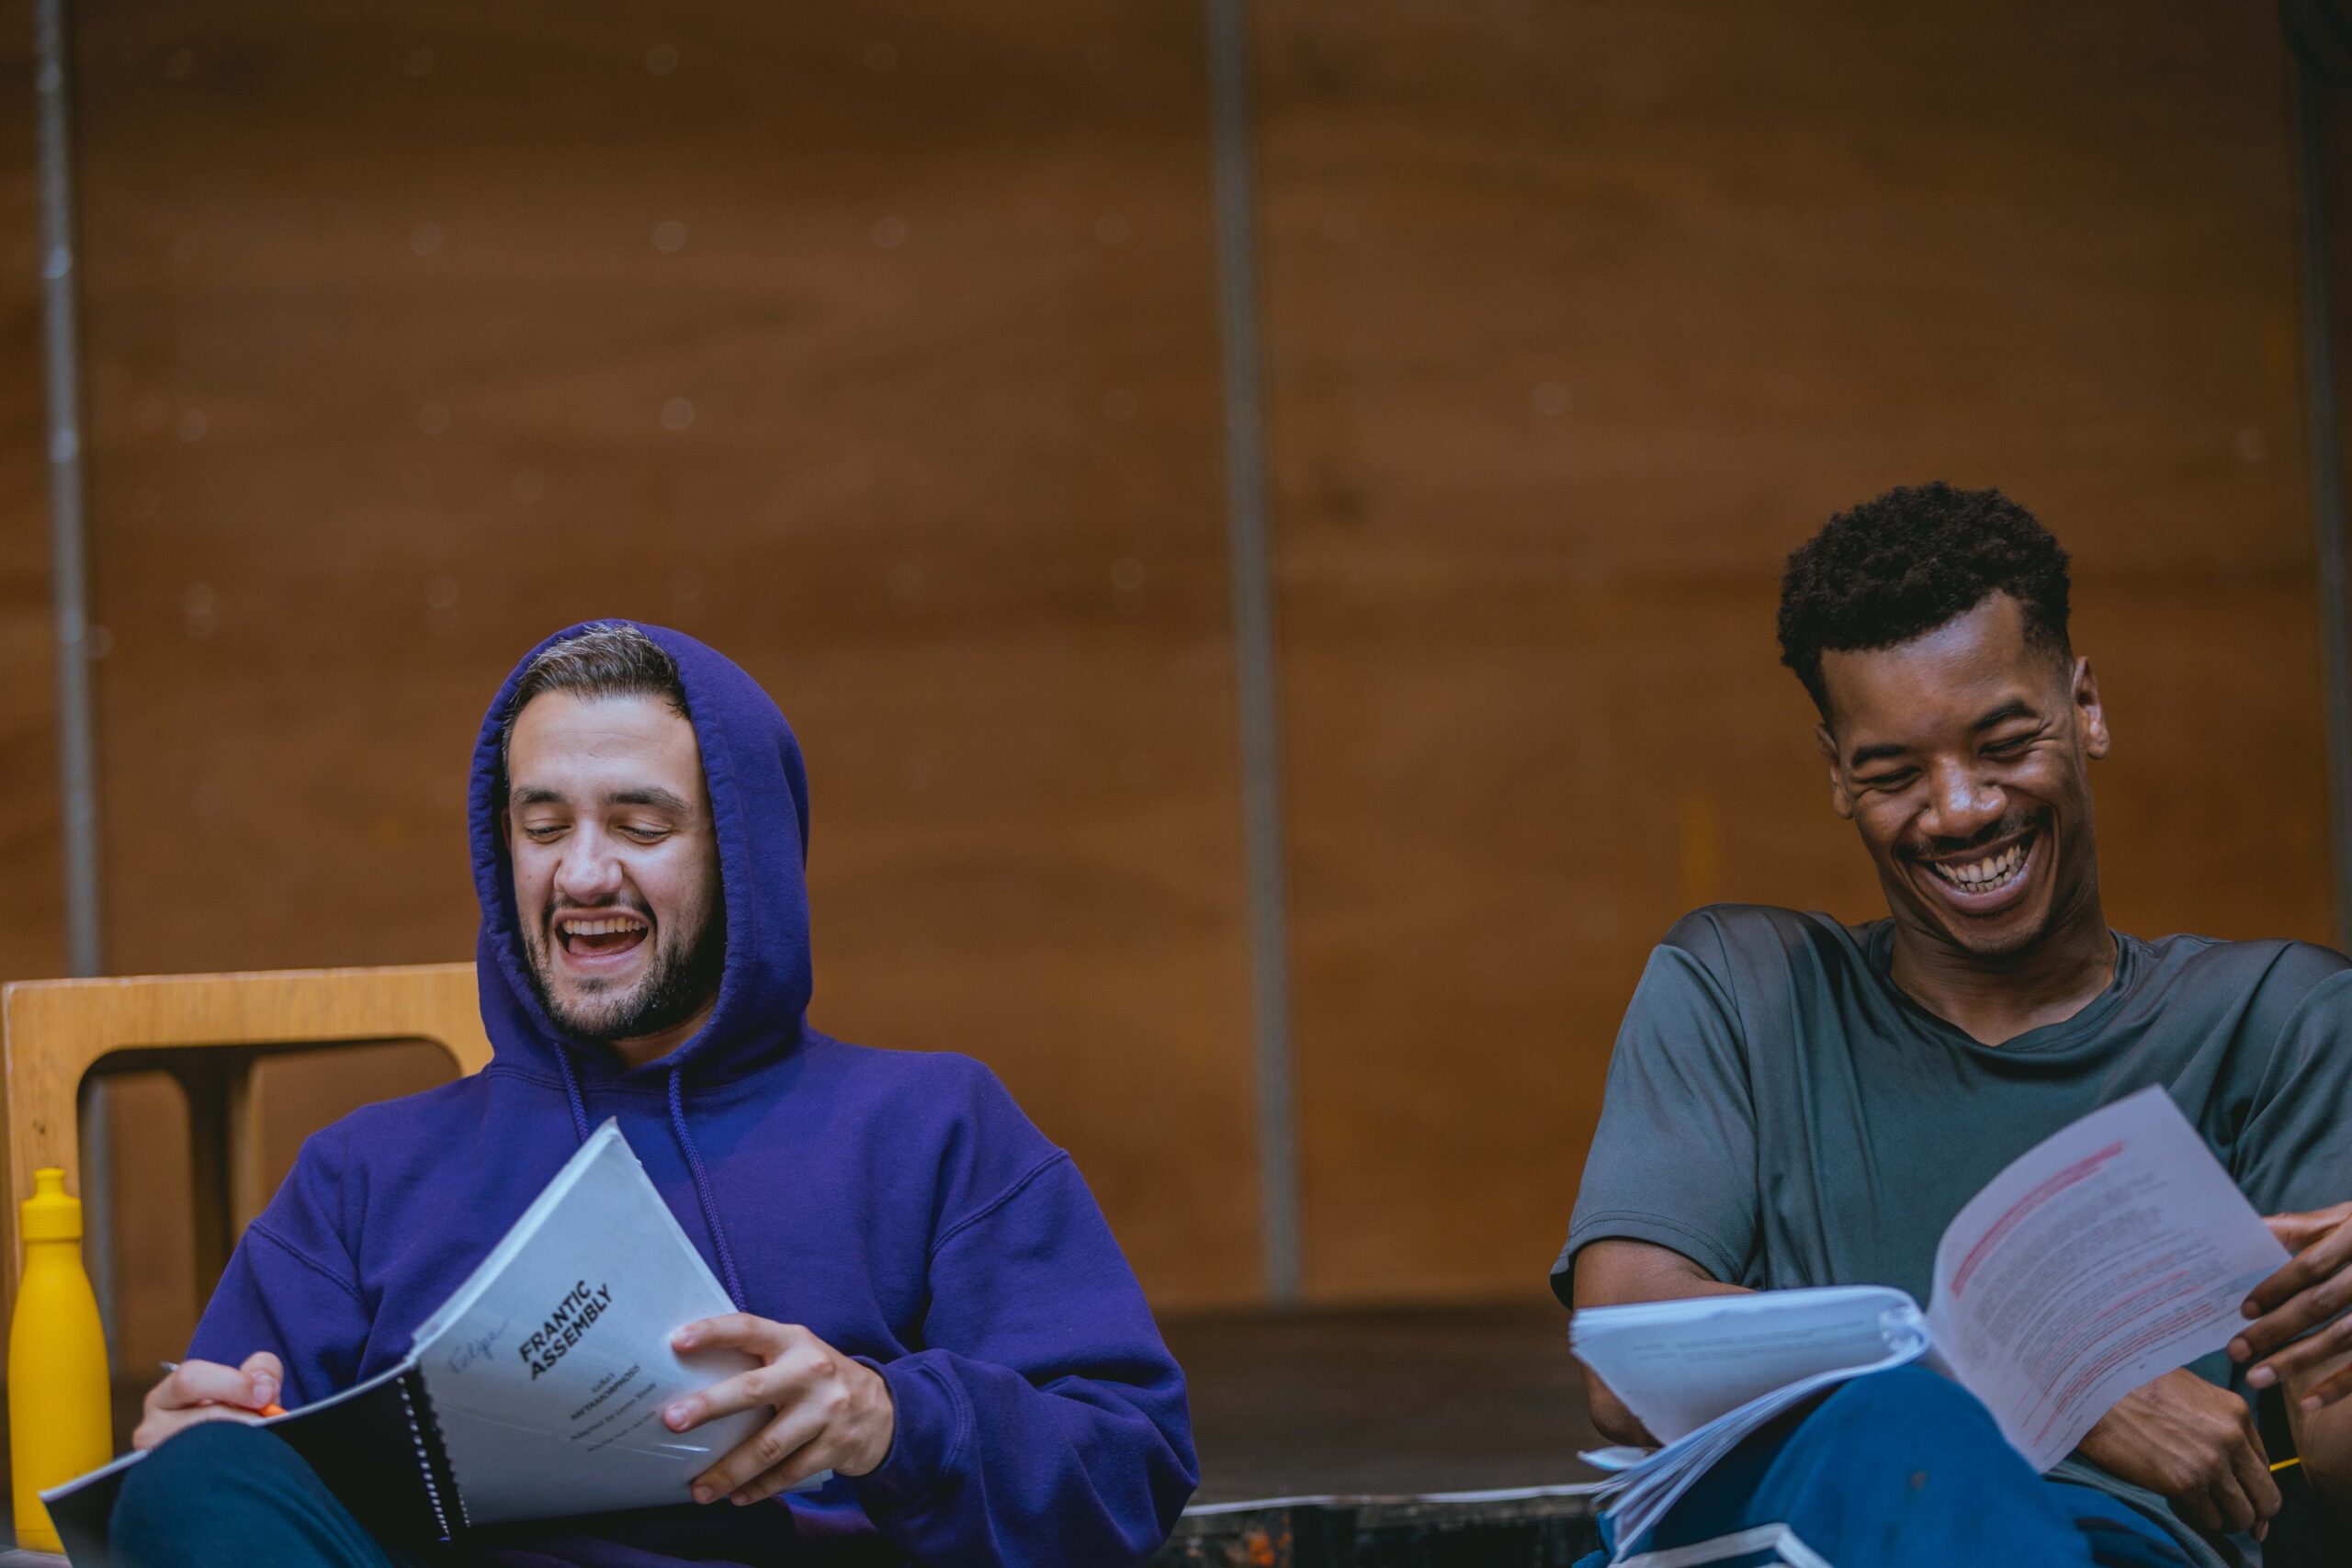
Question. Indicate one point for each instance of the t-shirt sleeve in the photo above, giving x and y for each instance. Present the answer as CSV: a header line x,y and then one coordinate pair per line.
x,y
2295,1149
1673,1161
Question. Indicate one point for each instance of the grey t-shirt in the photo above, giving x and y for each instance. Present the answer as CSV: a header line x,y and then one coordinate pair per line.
x,y
1779,1112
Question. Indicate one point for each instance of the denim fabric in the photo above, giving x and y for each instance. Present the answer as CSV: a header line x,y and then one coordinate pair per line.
x,y
223,1494
1903,1468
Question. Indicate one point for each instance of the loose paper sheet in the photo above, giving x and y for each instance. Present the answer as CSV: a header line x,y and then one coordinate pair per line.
x,y
2110,1254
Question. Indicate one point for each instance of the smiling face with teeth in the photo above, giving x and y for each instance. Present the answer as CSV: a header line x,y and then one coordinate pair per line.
x,y
1963,757
615,861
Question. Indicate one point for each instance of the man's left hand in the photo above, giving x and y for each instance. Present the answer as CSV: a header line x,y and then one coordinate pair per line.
x,y
832,1413
2195,1445
2314,1287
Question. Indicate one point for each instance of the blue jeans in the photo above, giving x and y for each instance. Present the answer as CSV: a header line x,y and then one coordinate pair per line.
x,y
223,1494
1902,1469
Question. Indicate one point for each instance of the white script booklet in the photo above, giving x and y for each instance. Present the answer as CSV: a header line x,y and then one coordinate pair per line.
x,y
2107,1255
536,1391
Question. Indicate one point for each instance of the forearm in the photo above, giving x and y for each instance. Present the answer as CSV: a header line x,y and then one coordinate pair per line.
x,y
1616,1272
2323,1439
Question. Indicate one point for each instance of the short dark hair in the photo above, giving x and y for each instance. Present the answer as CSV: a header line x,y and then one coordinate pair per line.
x,y
1907,561
604,658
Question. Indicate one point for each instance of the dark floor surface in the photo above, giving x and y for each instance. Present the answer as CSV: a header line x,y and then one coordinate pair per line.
x,y
1381,1403
1384,1403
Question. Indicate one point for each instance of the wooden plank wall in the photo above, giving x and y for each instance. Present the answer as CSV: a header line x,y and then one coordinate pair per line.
x,y
32,927
879,349
1582,316
876,348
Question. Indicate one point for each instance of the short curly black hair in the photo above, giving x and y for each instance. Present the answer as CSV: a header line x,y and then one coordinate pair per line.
x,y
1907,562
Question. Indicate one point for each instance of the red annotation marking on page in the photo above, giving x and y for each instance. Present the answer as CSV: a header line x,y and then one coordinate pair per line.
x,y
2081,1170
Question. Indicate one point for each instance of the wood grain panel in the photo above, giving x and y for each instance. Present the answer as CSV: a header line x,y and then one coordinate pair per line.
x,y
1581,316
158,1288
32,922
2331,99
876,347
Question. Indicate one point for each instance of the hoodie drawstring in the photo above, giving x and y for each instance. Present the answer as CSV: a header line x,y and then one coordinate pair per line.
x,y
572,1092
693,1165
701,1190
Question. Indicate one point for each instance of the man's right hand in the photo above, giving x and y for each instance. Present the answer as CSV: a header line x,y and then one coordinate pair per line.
x,y
207,1390
2196,1444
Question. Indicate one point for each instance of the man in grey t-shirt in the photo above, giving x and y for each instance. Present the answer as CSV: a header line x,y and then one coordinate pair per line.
x,y
1794,1101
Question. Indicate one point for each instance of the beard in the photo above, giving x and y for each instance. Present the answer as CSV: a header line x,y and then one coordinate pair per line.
x,y
688,962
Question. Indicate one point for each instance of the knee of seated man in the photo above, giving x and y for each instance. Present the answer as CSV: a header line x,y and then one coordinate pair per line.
x,y
207,1461
1899,1412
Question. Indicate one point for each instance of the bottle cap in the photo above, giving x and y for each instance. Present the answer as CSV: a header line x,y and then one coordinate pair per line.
x,y
52,1214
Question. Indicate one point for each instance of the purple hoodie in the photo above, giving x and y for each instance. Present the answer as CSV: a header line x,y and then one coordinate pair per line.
x,y
899,1205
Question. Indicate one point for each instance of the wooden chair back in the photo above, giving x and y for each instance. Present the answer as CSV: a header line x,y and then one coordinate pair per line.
x,y
207,1030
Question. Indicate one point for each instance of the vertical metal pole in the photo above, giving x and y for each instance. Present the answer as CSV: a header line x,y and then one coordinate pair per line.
x,y
2327,470
76,748
1253,640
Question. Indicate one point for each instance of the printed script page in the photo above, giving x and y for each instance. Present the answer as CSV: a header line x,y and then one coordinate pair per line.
x,y
549,1369
2108,1255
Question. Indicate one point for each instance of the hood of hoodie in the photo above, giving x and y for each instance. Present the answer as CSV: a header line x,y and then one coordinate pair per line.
x,y
759,803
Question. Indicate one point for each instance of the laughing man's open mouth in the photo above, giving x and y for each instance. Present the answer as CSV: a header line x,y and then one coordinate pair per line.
x,y
1989,873
600,935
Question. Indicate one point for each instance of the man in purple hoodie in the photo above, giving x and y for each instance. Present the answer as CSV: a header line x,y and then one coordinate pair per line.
x,y
941,1318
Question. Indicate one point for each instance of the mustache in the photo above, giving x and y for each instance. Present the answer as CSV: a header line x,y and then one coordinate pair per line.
x,y
2009,826
635,906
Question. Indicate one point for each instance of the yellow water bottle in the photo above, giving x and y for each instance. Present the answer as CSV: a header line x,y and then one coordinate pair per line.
x,y
61,1418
